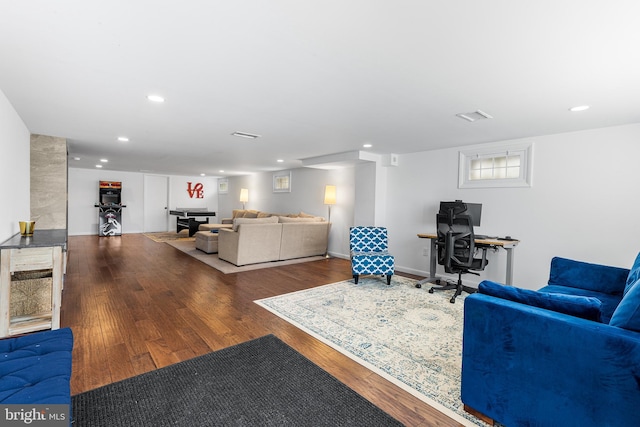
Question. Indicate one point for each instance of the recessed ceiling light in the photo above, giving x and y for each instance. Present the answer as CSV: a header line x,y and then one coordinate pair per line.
x,y
76,158
201,174
367,145
123,139
579,108
104,160
98,166
245,135
155,98
221,171
476,115
280,161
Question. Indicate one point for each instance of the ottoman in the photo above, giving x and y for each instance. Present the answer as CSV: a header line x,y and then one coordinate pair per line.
x,y
207,242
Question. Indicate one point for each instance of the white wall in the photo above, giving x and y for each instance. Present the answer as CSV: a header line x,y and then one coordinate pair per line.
x,y
83,194
14,170
583,204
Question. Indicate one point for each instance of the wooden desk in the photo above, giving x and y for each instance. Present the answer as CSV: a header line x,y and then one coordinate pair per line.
x,y
507,245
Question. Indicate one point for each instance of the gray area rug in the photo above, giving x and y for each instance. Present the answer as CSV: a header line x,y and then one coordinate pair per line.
x,y
226,267
262,382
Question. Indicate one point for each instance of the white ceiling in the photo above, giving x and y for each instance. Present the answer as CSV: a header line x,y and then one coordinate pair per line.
x,y
312,77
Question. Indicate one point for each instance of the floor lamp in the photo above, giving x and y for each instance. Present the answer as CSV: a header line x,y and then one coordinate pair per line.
x,y
244,196
329,199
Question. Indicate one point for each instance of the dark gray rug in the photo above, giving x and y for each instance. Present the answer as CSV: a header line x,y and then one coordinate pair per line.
x,y
263,382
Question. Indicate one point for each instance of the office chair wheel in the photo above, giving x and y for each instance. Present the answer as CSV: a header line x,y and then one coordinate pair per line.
x,y
431,290
452,300
418,285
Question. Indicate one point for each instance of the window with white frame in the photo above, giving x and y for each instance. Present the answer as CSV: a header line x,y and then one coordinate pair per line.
x,y
496,166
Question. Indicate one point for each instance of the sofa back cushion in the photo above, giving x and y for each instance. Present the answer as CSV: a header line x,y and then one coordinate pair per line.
x,y
583,275
634,275
286,219
627,314
269,220
574,305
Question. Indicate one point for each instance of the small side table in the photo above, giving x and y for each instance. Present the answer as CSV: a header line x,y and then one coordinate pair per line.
x,y
41,253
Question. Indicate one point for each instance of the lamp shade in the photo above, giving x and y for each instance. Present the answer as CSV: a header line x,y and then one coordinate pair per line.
x,y
244,195
330,195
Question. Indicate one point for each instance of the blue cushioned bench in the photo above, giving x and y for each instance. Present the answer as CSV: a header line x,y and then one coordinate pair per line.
x,y
36,368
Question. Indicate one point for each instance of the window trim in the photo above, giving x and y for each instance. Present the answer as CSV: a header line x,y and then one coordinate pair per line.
x,y
525,150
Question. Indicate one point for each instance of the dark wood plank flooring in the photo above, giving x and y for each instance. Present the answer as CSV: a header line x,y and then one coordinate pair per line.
x,y
136,305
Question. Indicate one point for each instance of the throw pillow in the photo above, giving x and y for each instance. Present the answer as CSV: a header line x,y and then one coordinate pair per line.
x,y
574,305
634,275
237,213
627,314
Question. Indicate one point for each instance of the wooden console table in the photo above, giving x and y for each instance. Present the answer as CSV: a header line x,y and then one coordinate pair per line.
x,y
41,253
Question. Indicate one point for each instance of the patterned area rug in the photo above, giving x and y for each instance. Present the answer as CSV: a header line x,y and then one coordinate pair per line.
x,y
405,334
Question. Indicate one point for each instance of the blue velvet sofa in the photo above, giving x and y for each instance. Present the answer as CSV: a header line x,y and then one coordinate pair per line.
x,y
36,368
565,355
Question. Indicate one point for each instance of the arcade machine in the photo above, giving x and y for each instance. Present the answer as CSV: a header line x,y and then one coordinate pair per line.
x,y
110,209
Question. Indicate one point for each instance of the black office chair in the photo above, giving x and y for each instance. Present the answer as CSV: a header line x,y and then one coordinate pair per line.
x,y
456,250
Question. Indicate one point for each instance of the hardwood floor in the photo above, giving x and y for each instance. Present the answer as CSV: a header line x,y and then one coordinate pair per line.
x,y
135,305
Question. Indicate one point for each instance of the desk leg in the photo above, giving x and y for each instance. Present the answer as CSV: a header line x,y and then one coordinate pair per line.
x,y
433,260
509,278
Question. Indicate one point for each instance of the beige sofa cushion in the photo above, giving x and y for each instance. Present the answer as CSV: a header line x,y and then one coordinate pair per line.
x,y
303,239
268,220
285,219
254,242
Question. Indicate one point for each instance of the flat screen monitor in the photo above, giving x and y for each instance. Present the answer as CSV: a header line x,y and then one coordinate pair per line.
x,y
474,210
110,199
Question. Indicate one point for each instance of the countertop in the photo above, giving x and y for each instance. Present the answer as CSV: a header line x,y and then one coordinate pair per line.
x,y
40,238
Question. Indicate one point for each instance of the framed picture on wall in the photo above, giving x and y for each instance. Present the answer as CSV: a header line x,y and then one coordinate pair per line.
x,y
282,182
223,186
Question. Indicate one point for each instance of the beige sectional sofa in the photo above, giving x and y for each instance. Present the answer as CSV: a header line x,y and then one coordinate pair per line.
x,y
274,238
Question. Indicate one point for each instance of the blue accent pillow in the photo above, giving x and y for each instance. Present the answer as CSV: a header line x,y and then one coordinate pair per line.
x,y
627,314
634,275
574,305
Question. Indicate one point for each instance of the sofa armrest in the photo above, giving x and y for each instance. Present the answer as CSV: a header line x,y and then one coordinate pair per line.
x,y
228,245
226,221
583,275
524,365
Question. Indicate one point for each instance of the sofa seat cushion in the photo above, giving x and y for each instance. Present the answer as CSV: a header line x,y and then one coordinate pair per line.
x,y
574,305
36,368
627,314
609,302
213,227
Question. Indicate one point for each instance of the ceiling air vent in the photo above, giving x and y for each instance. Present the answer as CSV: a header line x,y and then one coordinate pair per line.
x,y
476,115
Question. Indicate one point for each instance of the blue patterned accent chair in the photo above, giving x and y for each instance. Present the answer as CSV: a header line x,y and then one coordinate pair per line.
x,y
369,252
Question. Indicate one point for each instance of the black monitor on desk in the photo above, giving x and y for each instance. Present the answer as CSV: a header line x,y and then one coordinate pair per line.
x,y
474,210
